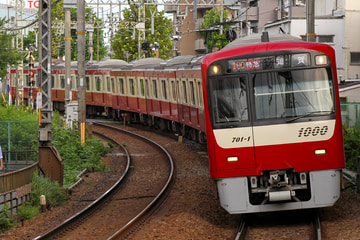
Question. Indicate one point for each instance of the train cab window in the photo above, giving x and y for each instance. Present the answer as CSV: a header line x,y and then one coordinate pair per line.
x,y
200,94
173,91
184,92
142,88
154,87
132,86
121,86
98,83
62,81
164,89
192,93
229,99
108,86
292,94
87,81
113,85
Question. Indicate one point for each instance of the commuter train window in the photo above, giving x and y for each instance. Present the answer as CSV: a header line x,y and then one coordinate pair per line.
x,y
229,97
200,94
192,93
147,88
155,91
121,85
73,82
53,81
113,85
132,86
108,84
289,94
98,83
164,88
142,88
184,92
62,81
173,90
87,81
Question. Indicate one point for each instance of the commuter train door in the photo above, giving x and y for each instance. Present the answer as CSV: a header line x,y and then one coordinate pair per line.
x,y
231,120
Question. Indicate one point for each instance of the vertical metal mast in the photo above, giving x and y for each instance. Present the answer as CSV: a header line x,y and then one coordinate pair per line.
x,y
45,72
81,67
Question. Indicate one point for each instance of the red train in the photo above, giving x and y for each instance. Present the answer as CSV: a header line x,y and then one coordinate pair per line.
x,y
270,113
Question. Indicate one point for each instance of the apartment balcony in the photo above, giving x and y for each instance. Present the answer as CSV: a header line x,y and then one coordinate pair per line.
x,y
205,4
170,7
253,14
199,45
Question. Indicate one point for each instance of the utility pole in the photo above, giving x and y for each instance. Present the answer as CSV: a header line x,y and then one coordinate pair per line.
x,y
49,160
68,4
81,67
310,21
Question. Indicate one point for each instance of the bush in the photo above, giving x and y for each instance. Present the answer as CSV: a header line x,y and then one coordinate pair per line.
x,y
5,221
27,211
351,146
55,196
76,157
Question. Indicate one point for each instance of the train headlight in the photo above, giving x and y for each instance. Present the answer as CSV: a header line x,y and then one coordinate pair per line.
x,y
232,159
321,60
320,151
215,69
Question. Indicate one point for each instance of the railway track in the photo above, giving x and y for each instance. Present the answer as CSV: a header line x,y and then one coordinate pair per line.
x,y
279,225
125,204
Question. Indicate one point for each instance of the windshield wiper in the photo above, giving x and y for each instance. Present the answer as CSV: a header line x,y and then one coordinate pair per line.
x,y
306,115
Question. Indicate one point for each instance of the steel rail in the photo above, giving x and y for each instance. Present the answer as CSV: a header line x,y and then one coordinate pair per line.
x,y
152,206
72,220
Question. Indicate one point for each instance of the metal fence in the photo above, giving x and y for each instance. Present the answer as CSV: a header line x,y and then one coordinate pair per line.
x,y
18,137
350,114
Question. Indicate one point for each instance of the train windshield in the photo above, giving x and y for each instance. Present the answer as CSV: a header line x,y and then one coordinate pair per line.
x,y
278,96
295,93
230,99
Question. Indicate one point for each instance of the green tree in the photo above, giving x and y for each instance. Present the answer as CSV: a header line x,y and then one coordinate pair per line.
x,y
125,43
58,43
7,54
210,30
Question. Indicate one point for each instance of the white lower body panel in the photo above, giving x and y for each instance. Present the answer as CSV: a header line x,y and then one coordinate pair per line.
x,y
325,191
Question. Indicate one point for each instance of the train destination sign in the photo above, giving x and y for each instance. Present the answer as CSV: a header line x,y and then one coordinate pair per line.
x,y
269,62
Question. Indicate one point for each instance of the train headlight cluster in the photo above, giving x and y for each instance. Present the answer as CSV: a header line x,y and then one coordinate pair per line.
x,y
321,60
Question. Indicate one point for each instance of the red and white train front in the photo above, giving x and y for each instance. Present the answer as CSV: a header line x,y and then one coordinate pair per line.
x,y
274,127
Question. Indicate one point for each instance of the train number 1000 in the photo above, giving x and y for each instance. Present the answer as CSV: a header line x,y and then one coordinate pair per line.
x,y
309,131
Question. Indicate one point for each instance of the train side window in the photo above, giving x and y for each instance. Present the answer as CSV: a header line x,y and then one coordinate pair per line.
x,y
113,85
132,86
142,88
53,81
62,81
200,94
155,91
27,81
173,91
184,92
164,89
147,88
121,85
108,84
98,83
87,80
73,82
192,93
